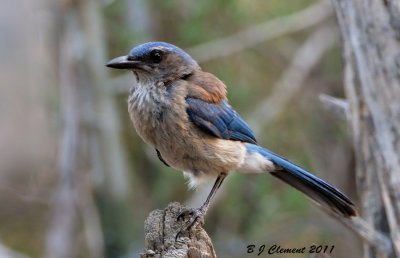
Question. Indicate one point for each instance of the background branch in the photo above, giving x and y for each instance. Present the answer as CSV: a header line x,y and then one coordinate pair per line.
x,y
6,252
262,32
339,107
247,38
291,80
375,239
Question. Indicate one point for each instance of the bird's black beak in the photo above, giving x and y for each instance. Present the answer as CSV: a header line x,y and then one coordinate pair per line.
x,y
123,62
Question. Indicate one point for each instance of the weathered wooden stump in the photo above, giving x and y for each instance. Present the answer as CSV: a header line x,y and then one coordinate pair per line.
x,y
161,228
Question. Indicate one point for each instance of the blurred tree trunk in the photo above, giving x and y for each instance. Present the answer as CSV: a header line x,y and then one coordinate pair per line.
x,y
91,164
73,201
371,51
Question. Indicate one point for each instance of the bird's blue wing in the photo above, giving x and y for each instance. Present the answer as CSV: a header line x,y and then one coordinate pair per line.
x,y
219,120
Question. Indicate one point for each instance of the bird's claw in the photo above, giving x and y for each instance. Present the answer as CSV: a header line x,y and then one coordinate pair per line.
x,y
186,213
196,217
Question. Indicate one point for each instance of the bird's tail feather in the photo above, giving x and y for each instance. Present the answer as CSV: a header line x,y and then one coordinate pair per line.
x,y
315,188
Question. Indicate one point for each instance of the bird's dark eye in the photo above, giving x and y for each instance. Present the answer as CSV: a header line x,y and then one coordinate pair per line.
x,y
156,56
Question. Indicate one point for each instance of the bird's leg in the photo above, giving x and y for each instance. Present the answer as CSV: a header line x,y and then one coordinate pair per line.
x,y
216,186
197,215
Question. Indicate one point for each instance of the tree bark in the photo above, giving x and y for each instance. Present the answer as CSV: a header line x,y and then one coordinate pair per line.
x,y
371,51
161,228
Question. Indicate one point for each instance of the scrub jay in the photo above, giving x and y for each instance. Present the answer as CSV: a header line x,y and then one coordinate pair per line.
x,y
183,113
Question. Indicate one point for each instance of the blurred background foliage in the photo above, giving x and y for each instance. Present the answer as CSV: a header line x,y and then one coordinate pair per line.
x,y
250,209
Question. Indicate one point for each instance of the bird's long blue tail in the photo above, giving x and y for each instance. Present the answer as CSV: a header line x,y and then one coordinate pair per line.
x,y
318,190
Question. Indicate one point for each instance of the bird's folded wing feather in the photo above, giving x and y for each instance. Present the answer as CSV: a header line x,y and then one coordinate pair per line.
x,y
219,120
208,108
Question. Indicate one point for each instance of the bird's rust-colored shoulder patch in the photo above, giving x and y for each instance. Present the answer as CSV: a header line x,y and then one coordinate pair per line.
x,y
206,86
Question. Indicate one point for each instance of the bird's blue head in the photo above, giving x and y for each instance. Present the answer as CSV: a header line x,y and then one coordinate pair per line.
x,y
159,60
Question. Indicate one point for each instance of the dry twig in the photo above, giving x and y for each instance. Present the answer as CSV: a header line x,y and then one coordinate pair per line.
x,y
339,107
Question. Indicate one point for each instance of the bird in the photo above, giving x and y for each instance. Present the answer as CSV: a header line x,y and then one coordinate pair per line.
x,y
184,114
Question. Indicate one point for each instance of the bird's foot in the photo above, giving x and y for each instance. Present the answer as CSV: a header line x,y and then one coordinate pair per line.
x,y
194,217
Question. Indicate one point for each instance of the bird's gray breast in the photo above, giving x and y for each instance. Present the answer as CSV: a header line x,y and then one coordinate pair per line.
x,y
150,105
